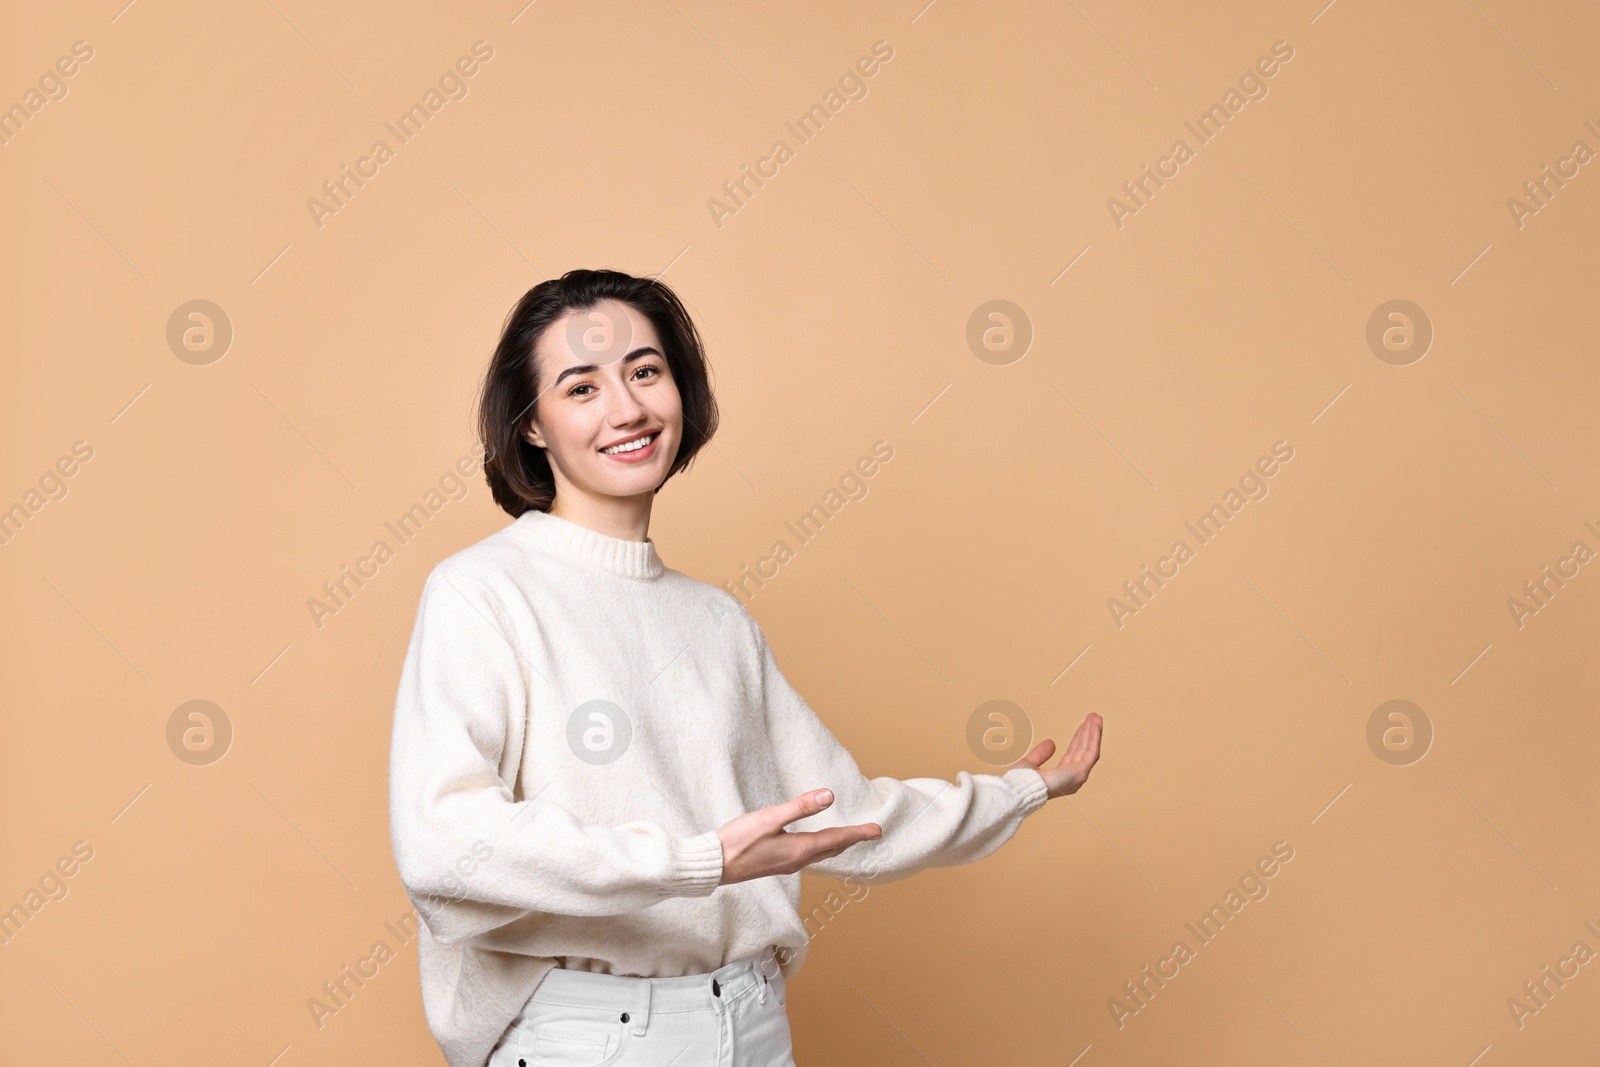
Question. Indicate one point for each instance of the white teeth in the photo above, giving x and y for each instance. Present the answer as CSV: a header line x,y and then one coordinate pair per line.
x,y
631,446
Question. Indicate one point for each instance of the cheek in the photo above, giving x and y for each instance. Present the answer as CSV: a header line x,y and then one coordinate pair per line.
x,y
669,406
569,434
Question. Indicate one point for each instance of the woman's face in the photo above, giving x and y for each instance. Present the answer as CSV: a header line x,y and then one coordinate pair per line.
x,y
604,381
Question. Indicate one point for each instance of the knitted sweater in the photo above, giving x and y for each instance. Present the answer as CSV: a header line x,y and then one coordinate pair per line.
x,y
574,722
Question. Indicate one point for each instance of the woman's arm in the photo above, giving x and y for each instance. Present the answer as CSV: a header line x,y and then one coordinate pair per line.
x,y
472,859
927,822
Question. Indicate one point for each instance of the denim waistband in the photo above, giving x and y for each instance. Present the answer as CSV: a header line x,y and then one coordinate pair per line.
x,y
639,997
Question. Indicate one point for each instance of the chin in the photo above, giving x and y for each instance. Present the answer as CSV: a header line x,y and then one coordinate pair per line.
x,y
631,483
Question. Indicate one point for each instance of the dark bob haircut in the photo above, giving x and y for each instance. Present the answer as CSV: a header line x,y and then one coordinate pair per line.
x,y
518,471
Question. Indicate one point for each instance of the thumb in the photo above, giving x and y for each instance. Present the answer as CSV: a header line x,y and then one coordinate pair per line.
x,y
1037,755
804,805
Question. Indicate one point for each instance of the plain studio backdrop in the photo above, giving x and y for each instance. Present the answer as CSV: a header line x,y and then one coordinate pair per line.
x,y
1306,289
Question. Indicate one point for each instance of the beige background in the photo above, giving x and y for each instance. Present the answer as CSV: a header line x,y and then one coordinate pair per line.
x,y
1229,313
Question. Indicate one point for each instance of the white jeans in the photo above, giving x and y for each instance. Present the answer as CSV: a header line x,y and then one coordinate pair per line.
x,y
734,1016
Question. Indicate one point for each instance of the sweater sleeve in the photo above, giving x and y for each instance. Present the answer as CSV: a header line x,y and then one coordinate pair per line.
x,y
927,822
471,857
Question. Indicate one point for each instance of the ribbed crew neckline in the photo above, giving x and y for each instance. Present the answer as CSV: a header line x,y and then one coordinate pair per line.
x,y
579,544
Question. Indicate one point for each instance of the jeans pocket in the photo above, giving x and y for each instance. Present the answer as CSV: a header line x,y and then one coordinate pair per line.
x,y
573,1043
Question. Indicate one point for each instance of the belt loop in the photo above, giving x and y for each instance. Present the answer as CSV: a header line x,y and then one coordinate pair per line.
x,y
641,1017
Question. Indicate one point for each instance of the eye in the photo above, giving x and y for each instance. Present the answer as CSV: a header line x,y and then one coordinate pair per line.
x,y
649,370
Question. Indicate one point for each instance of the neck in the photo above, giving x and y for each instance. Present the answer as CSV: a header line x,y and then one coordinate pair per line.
x,y
626,517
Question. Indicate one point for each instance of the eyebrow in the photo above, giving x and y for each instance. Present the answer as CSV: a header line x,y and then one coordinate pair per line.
x,y
587,368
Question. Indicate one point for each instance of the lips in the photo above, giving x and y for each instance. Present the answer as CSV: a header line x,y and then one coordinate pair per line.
x,y
637,451
630,437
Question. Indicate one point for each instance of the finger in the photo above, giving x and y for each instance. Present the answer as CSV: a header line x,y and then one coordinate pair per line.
x,y
1074,746
836,839
1086,738
838,836
1037,754
806,804
1084,756
1091,741
1080,740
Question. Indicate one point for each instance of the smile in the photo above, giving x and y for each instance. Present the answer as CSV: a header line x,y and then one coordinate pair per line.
x,y
635,445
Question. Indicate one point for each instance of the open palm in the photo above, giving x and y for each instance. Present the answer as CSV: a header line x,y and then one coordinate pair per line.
x,y
1069,775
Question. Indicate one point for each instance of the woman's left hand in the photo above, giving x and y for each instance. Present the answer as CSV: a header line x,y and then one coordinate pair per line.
x,y
1069,775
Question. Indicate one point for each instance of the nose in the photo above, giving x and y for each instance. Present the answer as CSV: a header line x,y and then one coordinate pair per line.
x,y
625,407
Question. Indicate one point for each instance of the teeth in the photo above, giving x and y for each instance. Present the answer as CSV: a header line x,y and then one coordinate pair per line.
x,y
631,446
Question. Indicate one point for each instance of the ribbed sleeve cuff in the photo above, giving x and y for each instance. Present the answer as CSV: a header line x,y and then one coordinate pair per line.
x,y
696,867
1029,788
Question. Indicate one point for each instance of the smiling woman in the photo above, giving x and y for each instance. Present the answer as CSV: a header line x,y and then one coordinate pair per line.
x,y
581,375
633,770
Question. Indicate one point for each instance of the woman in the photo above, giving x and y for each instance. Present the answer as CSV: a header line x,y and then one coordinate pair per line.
x,y
596,759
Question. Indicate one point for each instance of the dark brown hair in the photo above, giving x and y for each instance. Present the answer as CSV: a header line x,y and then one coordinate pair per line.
x,y
518,471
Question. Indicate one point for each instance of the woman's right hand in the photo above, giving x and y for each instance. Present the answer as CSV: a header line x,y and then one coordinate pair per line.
x,y
756,845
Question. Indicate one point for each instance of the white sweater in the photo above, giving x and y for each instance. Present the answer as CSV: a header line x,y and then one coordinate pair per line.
x,y
530,834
